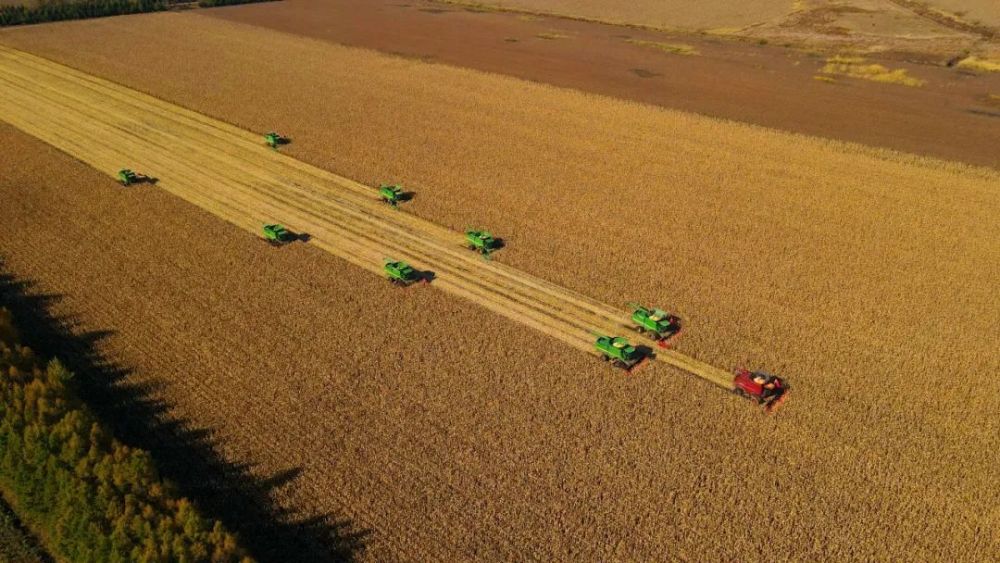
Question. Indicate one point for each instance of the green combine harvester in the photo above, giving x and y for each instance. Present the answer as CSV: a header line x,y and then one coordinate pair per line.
x,y
128,177
273,140
391,194
481,241
619,352
400,273
278,235
660,325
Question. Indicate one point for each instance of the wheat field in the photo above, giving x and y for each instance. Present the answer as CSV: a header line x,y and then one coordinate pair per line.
x,y
866,277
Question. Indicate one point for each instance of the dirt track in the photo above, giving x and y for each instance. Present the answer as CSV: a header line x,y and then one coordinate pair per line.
x,y
230,173
769,86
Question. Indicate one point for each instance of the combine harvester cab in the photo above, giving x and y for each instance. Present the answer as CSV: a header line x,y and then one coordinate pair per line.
x,y
619,352
767,389
277,235
662,326
402,274
481,241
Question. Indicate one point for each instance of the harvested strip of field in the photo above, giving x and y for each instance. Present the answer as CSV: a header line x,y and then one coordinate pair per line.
x,y
230,173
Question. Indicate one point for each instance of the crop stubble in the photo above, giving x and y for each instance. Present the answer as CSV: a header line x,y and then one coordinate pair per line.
x,y
862,274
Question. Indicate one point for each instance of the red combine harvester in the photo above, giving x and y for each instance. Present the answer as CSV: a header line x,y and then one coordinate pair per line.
x,y
768,390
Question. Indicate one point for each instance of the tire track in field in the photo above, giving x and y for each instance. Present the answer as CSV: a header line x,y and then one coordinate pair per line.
x,y
229,172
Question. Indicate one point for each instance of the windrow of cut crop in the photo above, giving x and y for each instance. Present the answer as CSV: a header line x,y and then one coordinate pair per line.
x,y
57,10
87,495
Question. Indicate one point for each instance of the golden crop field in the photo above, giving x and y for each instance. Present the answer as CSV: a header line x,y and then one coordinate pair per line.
x,y
866,277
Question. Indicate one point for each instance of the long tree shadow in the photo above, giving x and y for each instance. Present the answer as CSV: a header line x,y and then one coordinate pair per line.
x,y
185,456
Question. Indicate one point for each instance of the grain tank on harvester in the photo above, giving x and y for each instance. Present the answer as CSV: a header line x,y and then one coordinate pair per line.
x,y
768,390
481,241
400,273
661,326
619,352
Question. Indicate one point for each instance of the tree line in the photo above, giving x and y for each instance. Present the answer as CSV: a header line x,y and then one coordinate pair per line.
x,y
86,495
56,10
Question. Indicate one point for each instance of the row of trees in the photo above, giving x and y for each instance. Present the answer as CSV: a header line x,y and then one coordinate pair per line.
x,y
55,10
87,495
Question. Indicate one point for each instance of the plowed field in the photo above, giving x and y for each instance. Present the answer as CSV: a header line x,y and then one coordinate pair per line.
x,y
867,277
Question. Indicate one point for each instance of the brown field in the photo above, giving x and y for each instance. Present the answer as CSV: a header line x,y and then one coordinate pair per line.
x,y
977,11
876,25
866,277
765,85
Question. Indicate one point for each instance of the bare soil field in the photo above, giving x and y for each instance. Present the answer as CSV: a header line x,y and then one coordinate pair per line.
x,y
867,277
877,25
976,11
772,86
